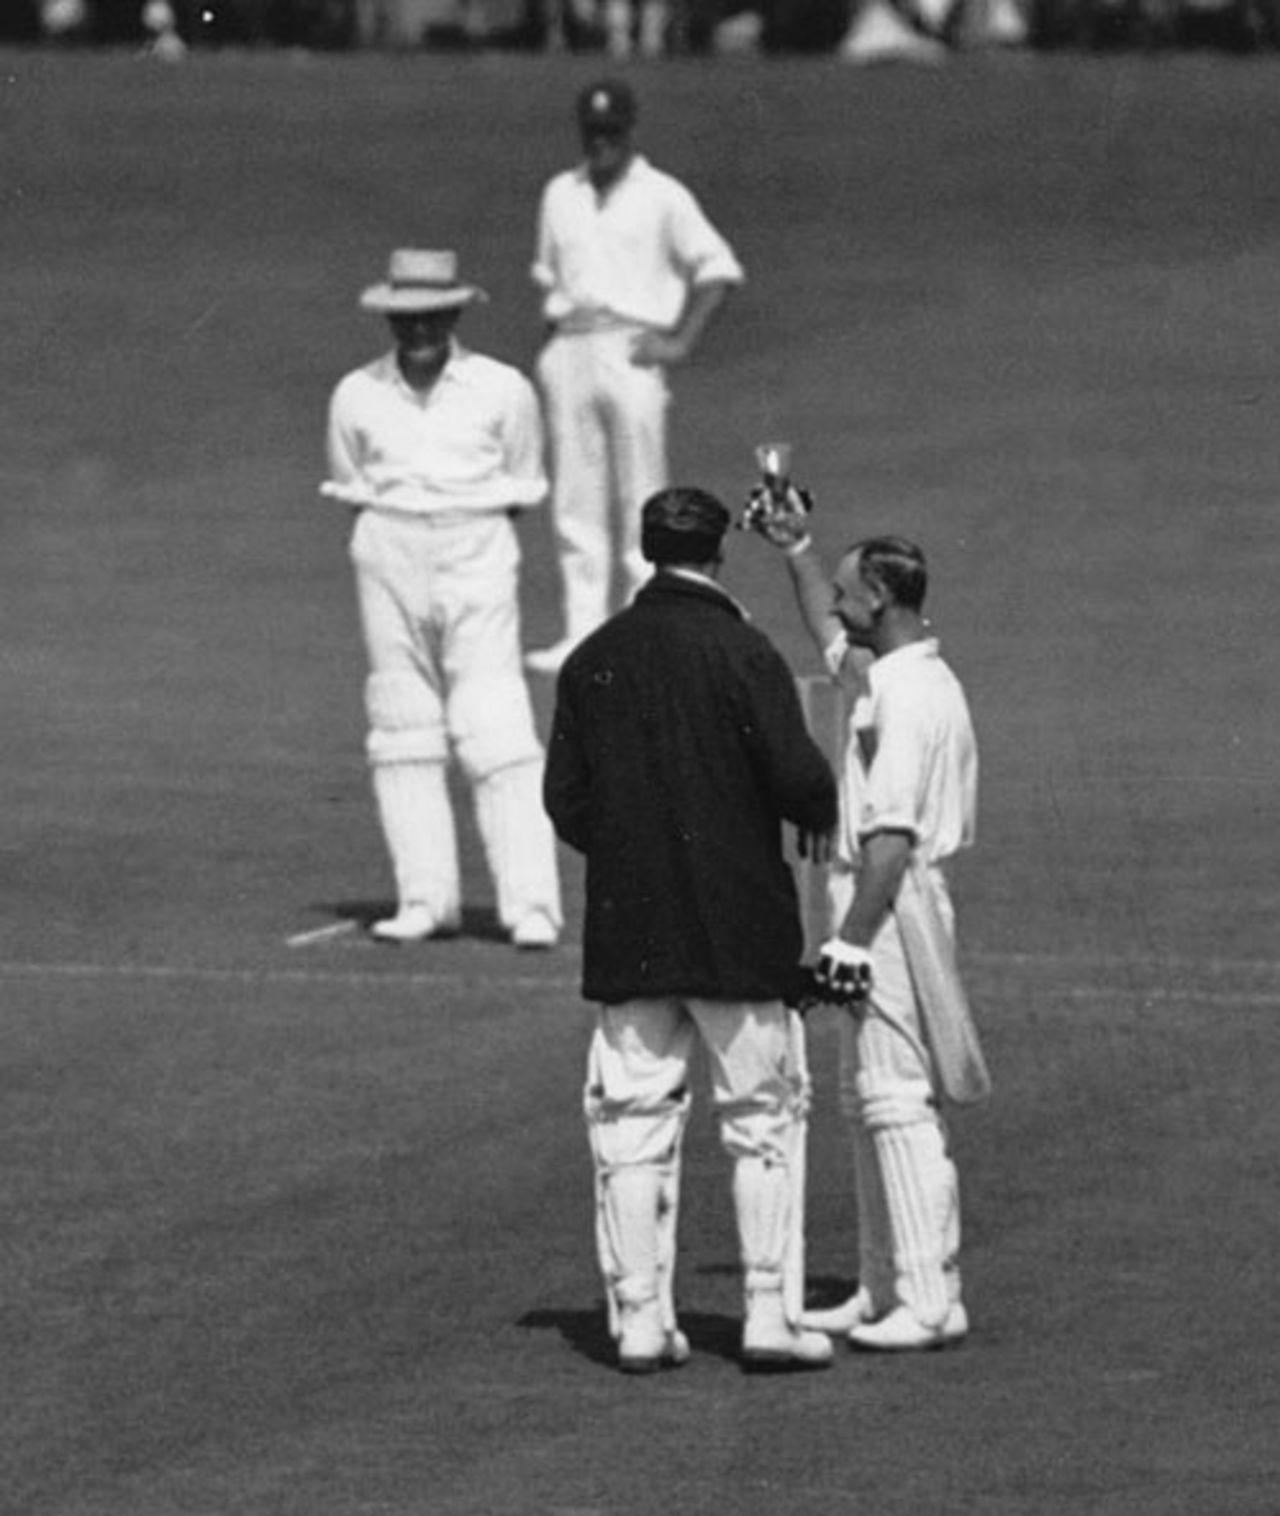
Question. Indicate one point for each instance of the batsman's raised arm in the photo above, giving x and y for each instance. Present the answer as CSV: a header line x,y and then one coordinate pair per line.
x,y
782,519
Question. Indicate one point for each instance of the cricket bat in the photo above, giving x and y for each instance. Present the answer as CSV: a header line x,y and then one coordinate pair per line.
x,y
944,1007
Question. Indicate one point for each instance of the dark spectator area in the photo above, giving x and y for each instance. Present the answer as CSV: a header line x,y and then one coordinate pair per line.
x,y
693,26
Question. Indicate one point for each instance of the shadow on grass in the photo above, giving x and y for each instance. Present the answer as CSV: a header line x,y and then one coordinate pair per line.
x,y
479,923
821,1291
587,1332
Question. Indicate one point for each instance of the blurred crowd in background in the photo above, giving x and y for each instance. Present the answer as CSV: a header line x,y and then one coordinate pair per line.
x,y
870,31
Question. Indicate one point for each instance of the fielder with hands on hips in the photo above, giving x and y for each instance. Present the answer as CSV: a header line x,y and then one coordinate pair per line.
x,y
908,803
632,272
436,449
678,751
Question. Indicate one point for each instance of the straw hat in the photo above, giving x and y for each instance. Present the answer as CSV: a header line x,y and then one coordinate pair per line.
x,y
420,280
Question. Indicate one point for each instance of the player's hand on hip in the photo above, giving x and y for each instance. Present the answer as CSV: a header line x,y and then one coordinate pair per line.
x,y
843,972
658,350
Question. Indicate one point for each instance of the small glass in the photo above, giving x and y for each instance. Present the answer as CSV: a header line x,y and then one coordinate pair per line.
x,y
774,462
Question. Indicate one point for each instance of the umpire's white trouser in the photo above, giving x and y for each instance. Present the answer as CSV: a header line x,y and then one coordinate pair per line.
x,y
438,606
607,421
908,1195
636,1104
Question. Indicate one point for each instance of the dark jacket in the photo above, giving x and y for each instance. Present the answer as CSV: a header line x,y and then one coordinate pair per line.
x,y
678,750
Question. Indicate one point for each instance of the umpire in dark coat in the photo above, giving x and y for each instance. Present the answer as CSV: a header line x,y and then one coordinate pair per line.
x,y
678,752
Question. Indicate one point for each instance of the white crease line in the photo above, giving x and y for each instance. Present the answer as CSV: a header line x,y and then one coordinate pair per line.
x,y
489,980
163,971
321,934
1166,962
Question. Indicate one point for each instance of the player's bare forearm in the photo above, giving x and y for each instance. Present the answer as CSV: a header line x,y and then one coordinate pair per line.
x,y
779,512
883,862
812,588
677,345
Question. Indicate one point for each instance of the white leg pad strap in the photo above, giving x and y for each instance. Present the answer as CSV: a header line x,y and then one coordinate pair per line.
x,y
406,720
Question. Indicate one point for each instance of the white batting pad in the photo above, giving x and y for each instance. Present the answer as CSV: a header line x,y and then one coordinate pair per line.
x,y
406,720
762,1202
417,823
923,1206
519,843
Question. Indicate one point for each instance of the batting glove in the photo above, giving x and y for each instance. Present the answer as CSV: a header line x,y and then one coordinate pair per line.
x,y
843,972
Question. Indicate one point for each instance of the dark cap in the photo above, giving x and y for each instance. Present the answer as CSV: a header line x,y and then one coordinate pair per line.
x,y
607,105
682,525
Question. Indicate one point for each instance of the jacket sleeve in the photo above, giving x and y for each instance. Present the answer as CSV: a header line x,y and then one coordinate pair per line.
x,y
795,770
565,785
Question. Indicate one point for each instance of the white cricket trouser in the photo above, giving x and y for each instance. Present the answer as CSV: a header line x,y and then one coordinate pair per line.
x,y
607,421
908,1198
440,615
636,1103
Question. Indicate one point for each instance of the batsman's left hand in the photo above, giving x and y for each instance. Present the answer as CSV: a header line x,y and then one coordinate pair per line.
x,y
843,972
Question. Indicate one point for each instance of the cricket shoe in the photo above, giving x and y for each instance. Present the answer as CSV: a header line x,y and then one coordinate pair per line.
x,y
535,932
771,1345
644,1343
840,1320
415,923
901,1332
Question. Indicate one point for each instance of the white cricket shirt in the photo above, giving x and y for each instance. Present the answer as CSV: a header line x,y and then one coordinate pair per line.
x,y
632,256
473,442
914,764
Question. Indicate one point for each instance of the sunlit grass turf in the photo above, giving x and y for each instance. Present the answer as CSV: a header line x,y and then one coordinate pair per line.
x,y
309,1230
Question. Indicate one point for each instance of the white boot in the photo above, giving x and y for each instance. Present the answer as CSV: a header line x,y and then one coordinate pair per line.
x,y
902,1332
771,1339
840,1320
771,1344
413,922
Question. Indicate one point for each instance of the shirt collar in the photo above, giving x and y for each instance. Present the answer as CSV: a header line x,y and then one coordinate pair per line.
x,y
451,373
702,581
638,165
912,652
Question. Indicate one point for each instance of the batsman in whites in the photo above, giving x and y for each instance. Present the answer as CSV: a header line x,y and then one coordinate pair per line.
x,y
908,789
